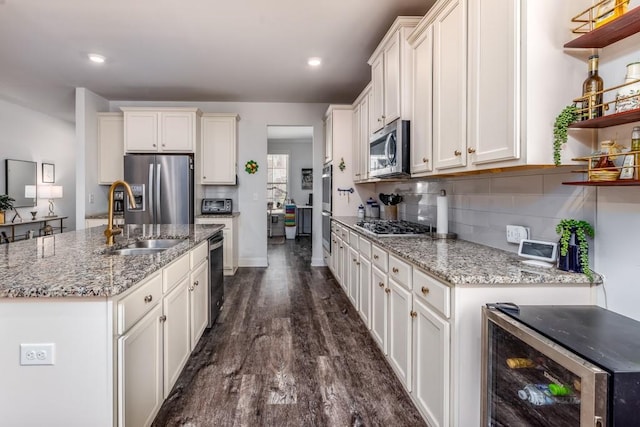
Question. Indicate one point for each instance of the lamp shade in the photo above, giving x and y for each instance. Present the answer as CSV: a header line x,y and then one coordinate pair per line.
x,y
50,192
30,191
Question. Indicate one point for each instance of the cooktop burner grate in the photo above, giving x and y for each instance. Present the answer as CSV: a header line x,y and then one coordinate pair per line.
x,y
390,227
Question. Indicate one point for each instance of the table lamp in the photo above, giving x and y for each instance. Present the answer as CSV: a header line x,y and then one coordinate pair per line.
x,y
50,192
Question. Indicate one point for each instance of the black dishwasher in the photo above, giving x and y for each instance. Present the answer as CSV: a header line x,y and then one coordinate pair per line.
x,y
216,276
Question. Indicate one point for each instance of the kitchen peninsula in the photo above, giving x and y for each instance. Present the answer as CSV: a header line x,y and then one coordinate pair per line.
x,y
121,326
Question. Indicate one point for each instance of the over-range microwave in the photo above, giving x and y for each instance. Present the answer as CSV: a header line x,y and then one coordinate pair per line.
x,y
389,151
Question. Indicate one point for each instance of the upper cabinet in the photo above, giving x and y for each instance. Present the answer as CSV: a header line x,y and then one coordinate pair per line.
x,y
218,149
360,142
171,130
337,132
328,137
110,147
391,75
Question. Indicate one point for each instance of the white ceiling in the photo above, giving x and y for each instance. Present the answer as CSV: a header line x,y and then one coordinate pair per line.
x,y
190,50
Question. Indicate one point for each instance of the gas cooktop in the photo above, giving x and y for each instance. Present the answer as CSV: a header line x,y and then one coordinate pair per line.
x,y
384,227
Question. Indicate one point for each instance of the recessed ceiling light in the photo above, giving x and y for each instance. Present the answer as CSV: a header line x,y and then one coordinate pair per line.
x,y
98,59
314,62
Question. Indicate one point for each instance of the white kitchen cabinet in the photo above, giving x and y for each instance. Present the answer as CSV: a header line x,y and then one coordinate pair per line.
x,y
379,307
176,334
346,265
170,130
354,276
364,291
328,138
110,147
399,331
360,142
355,143
230,243
431,360
199,302
391,74
140,371
337,131
450,85
218,149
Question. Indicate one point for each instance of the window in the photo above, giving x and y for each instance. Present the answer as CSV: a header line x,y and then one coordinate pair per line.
x,y
277,178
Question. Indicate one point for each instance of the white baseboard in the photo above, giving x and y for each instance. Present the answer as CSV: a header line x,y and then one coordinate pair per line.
x,y
318,262
253,262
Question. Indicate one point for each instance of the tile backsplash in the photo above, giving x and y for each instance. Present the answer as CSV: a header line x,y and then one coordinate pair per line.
x,y
481,206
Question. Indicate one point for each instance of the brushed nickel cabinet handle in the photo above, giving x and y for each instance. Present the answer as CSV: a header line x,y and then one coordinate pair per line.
x,y
413,314
381,284
388,290
425,290
457,153
148,298
471,150
395,270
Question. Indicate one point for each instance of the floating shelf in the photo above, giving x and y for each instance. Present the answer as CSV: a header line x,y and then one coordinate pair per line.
x,y
616,30
608,120
618,183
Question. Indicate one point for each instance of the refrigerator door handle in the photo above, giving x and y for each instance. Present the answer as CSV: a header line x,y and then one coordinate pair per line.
x,y
150,188
158,195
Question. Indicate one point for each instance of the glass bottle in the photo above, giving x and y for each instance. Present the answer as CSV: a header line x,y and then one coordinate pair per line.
x,y
592,91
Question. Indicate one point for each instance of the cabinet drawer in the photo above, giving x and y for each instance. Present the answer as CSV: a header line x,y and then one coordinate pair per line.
x,y
436,294
354,239
135,305
199,254
400,271
174,272
365,247
380,258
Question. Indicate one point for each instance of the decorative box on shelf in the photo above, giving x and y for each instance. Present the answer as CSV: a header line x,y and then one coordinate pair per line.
x,y
622,172
603,24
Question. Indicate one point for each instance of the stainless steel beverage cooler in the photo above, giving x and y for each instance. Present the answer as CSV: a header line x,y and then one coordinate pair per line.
x,y
560,366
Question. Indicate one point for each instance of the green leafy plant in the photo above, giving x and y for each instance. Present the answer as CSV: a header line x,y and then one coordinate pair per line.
x,y
581,229
567,116
6,202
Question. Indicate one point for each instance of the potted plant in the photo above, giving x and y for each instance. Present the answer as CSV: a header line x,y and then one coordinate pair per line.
x,y
574,248
567,116
6,203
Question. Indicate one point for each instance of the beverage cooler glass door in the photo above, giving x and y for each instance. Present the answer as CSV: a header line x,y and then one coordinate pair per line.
x,y
529,380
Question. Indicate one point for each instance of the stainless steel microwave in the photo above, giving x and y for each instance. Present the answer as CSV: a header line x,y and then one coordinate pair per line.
x,y
216,206
389,151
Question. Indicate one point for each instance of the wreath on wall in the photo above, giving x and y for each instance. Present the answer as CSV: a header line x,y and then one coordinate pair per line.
x,y
251,167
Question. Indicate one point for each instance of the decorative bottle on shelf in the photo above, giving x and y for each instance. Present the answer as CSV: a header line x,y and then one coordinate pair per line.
x,y
592,91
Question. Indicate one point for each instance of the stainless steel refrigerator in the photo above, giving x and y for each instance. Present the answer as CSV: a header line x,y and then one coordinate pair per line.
x,y
162,185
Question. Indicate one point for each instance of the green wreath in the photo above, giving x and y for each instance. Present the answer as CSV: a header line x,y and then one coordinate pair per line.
x,y
251,167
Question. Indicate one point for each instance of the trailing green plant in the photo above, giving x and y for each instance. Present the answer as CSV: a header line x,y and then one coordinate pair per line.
x,y
567,116
6,202
581,229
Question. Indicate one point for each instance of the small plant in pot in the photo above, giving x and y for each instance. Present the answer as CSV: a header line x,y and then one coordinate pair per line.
x,y
6,203
574,247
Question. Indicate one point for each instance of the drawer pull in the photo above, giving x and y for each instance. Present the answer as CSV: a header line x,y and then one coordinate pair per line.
x,y
471,150
381,284
357,263
413,314
425,290
196,283
163,318
388,290
148,298
191,288
354,260
457,153
375,257
395,270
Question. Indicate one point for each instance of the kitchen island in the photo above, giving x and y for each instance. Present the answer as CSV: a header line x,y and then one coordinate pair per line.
x,y
122,327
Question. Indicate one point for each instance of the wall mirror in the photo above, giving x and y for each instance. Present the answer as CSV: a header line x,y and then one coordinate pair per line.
x,y
21,182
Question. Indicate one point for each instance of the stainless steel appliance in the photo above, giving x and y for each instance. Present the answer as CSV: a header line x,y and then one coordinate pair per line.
x,y
385,228
327,189
162,186
216,206
118,201
216,277
559,366
389,150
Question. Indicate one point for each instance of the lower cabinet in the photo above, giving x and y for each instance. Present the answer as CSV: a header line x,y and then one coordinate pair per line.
x,y
230,244
354,276
379,307
175,307
364,302
199,302
399,335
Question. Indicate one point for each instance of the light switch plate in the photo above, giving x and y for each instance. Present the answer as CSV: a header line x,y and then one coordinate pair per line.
x,y
515,233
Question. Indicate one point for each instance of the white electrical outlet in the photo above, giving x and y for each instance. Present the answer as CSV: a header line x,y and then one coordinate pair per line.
x,y
515,233
37,354
92,198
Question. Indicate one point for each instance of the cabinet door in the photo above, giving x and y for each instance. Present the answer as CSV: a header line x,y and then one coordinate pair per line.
x,y
328,138
227,249
431,364
178,131
364,137
422,124
141,131
392,79
355,145
140,371
377,89
494,85
110,148
218,150
399,337
346,267
449,86
176,333
338,248
199,302
364,301
379,307
354,275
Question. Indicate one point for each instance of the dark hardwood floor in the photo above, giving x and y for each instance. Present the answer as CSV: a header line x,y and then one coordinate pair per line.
x,y
288,350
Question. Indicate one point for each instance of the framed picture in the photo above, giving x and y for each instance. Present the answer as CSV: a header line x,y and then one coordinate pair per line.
x,y
307,179
48,173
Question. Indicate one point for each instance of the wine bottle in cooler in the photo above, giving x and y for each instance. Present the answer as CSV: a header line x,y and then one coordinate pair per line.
x,y
592,91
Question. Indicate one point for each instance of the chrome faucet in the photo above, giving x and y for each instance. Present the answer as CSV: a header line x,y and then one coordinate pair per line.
x,y
112,230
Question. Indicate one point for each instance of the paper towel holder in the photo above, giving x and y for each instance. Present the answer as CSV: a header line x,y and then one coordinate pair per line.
x,y
449,235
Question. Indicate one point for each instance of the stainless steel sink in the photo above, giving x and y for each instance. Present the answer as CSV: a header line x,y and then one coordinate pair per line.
x,y
137,251
146,247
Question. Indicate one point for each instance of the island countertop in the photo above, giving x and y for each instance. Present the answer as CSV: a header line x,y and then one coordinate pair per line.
x,y
77,263
460,262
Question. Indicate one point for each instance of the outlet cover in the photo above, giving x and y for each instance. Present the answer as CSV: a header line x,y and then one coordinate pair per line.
x,y
515,233
37,354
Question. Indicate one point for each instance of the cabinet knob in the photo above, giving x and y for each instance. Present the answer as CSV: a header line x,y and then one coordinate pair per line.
x,y
196,283
395,270
163,318
357,262
164,145
204,177
354,260
388,290
384,117
471,150
153,145
341,247
191,288
425,160
379,120
148,298
381,284
413,314
425,290
375,257
457,153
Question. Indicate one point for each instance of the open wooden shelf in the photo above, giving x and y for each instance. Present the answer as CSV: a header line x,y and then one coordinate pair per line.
x,y
617,183
616,30
608,120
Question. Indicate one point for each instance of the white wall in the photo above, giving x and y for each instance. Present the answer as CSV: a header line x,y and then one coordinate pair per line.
x,y
300,156
30,135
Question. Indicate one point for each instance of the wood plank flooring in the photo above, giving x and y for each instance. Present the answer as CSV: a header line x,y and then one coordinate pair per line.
x,y
288,350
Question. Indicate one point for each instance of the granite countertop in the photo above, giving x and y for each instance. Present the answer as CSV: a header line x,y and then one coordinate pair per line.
x,y
221,215
104,215
75,264
460,262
